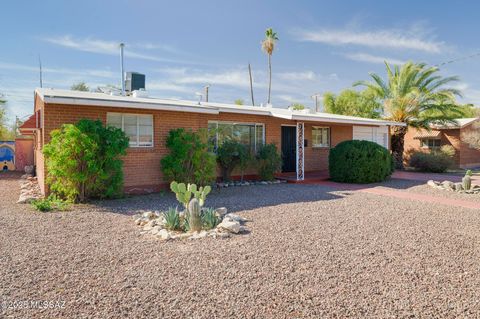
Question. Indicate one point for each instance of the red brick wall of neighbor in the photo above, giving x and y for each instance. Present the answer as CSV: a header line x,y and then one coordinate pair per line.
x,y
469,157
465,156
142,170
23,153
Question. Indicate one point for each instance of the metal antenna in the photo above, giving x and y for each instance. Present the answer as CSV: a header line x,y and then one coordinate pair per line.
x,y
40,65
206,92
122,45
315,97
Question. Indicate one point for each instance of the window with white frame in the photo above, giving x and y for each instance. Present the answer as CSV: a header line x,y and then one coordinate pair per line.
x,y
431,143
320,136
137,127
250,134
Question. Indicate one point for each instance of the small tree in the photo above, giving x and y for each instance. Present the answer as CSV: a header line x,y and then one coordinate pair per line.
x,y
83,161
80,86
297,106
269,161
245,161
239,102
190,160
229,155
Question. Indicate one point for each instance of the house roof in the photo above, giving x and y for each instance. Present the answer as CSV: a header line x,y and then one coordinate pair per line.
x,y
101,99
461,123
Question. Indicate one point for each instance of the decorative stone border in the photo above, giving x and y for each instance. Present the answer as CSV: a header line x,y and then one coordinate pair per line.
x,y
29,190
153,223
453,187
249,183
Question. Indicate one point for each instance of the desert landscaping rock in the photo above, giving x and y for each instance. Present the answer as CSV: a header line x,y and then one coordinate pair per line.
x,y
312,252
456,187
29,190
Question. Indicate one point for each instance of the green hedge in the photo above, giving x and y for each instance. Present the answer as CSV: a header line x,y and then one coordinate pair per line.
x,y
360,162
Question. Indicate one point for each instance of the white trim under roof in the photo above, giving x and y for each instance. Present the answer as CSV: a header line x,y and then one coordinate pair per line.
x,y
101,99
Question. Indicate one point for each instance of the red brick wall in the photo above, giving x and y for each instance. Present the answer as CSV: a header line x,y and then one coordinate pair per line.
x,y
464,155
469,157
142,168
23,153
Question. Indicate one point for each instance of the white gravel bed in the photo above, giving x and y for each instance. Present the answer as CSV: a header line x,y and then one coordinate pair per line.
x,y
312,252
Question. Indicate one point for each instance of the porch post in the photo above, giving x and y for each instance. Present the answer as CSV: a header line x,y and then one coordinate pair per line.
x,y
300,153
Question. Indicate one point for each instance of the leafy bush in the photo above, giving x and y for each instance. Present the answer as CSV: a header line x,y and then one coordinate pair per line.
x,y
50,203
172,219
83,161
190,160
210,219
359,162
269,161
434,161
230,155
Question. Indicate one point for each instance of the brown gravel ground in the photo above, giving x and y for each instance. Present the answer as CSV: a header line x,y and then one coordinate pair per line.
x,y
312,253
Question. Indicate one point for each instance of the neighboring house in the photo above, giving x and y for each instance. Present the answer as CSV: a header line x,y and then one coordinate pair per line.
x,y
303,137
7,155
439,135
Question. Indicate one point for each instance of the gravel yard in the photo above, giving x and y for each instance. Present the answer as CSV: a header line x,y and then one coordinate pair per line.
x,y
312,251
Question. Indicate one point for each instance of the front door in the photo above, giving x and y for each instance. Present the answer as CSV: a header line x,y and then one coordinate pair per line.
x,y
289,148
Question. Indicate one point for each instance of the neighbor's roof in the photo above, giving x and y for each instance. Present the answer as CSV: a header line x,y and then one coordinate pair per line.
x,y
461,123
68,97
427,134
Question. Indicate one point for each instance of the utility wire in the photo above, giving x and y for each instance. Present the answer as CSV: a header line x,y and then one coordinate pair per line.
x,y
458,59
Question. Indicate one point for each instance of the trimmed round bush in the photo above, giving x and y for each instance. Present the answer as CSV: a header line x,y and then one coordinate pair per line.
x,y
360,162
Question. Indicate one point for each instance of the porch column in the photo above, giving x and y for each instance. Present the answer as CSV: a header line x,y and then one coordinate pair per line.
x,y
300,149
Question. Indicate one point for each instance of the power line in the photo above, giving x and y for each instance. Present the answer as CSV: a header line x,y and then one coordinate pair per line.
x,y
458,59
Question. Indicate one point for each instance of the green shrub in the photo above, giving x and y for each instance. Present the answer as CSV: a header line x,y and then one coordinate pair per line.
x,y
434,161
50,203
359,162
83,161
189,160
229,155
172,219
269,161
210,219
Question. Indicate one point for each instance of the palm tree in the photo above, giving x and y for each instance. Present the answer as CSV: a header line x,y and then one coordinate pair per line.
x,y
268,45
414,94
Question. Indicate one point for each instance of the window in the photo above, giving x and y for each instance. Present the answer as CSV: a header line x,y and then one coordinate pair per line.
x,y
252,135
320,136
137,127
431,143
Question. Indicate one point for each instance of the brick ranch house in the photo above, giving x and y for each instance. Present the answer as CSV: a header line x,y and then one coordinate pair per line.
x,y
304,137
439,135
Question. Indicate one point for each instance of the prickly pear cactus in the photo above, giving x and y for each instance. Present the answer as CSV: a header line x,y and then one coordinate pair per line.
x,y
183,193
467,181
201,194
194,215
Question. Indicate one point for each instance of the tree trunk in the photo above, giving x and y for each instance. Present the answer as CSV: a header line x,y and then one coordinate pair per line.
x,y
398,141
269,77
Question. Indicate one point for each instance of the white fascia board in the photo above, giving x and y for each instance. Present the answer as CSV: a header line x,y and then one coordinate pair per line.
x,y
242,111
345,121
132,104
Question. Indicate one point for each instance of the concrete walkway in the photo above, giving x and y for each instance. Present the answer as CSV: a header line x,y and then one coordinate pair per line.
x,y
376,190
414,176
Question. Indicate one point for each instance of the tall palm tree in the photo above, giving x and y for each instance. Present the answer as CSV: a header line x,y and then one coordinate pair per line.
x,y
415,94
268,45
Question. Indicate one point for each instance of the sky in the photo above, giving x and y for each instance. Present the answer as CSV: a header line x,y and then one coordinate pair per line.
x,y
183,45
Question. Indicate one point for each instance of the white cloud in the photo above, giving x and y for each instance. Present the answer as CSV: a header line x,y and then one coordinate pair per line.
x,y
412,39
108,47
365,57
298,76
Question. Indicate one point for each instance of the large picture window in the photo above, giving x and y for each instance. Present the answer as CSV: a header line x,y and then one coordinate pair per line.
x,y
137,127
250,134
320,136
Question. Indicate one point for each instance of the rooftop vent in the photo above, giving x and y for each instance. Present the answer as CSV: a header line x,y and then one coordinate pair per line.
x,y
134,81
